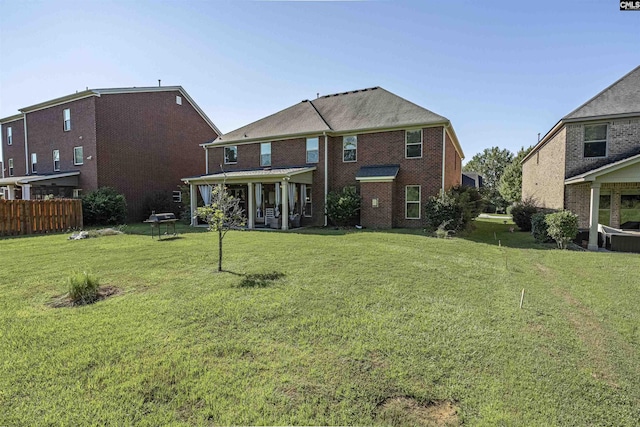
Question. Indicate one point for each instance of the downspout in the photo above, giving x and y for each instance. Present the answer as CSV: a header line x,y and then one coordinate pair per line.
x,y
2,130
206,159
26,147
326,176
444,148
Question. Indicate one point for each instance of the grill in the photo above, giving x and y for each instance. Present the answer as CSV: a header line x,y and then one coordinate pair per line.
x,y
156,220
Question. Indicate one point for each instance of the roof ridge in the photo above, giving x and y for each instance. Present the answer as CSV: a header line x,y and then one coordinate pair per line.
x,y
351,92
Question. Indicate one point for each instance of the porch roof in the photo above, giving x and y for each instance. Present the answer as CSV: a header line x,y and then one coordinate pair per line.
x,y
379,173
626,170
65,178
302,175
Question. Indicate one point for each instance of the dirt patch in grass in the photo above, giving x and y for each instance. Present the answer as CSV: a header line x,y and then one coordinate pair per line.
x,y
104,292
404,410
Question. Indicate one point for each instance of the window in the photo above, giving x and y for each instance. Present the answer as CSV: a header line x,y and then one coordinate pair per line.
x,y
312,150
265,154
349,148
629,207
10,167
604,214
66,114
177,196
78,156
9,136
77,193
595,140
231,154
34,162
179,100
307,202
413,143
56,160
412,201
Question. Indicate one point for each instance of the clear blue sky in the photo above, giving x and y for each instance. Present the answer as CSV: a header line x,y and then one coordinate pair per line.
x,y
500,71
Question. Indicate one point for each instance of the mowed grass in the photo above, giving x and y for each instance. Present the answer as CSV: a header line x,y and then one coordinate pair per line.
x,y
319,328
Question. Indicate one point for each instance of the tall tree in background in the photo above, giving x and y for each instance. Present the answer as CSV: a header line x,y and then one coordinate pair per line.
x,y
510,186
491,164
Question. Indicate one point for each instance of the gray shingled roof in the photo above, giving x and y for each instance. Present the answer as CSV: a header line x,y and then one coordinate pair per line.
x,y
378,171
373,108
622,97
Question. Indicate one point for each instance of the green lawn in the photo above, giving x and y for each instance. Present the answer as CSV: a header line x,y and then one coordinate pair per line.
x,y
320,328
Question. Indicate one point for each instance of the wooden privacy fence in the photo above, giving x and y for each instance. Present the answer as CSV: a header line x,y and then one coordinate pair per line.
x,y
19,217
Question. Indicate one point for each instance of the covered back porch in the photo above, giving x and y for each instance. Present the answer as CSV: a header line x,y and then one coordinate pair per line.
x,y
266,195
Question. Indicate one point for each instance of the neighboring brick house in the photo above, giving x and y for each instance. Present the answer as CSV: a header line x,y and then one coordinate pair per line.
x,y
589,162
395,153
137,140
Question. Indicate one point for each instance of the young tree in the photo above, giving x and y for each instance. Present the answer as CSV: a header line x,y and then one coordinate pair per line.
x,y
223,214
491,164
510,186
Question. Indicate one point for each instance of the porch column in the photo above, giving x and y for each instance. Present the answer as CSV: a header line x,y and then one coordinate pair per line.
x,y
593,216
26,191
285,204
12,192
193,198
251,210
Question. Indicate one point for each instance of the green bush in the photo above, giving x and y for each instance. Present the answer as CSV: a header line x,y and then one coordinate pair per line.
x,y
159,201
104,206
539,227
453,210
522,213
562,227
83,287
343,207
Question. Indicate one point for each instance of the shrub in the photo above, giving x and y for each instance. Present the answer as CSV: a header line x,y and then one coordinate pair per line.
x,y
562,227
539,227
83,287
104,206
522,213
453,210
343,207
159,201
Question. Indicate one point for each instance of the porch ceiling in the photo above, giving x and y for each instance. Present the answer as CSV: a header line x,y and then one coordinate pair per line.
x,y
300,175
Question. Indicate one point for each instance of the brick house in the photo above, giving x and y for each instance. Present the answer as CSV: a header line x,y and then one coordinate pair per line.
x,y
589,162
395,153
137,140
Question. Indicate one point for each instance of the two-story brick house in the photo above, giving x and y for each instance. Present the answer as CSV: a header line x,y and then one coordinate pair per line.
x,y
394,152
137,140
589,162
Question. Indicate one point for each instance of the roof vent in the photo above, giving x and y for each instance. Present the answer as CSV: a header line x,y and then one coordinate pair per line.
x,y
305,100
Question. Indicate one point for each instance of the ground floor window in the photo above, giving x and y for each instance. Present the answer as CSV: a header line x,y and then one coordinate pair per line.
x,y
307,202
412,202
629,207
604,213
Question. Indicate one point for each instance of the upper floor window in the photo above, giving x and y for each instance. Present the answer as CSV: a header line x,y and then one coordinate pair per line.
x,y
34,162
56,160
10,167
349,148
265,154
595,140
313,152
179,100
413,143
66,114
231,154
9,136
412,202
78,156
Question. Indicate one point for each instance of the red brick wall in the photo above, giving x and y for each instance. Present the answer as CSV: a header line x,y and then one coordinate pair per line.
x,y
45,133
14,151
381,216
147,143
453,165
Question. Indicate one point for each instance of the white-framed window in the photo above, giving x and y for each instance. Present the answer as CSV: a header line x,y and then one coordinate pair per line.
x,y
307,202
178,100
413,144
34,162
313,150
231,155
10,167
177,196
595,140
412,201
265,154
78,156
56,160
349,148
77,193
66,115
9,136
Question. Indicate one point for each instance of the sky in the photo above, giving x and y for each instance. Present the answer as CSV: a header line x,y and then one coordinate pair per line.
x,y
500,71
